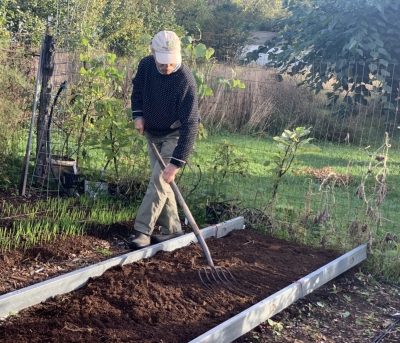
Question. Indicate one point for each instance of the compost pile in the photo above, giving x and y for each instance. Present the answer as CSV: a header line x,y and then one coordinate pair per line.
x,y
161,299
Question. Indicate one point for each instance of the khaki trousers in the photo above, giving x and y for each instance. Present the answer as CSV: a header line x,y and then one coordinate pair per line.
x,y
159,204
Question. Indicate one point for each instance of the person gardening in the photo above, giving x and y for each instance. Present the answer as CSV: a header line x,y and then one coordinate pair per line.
x,y
165,104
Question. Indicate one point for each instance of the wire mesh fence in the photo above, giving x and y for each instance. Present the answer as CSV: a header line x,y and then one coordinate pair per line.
x,y
271,102
228,171
351,126
55,170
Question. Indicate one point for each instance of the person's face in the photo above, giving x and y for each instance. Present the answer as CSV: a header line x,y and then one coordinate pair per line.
x,y
165,69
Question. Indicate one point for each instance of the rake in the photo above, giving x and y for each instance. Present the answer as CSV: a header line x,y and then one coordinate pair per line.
x,y
211,274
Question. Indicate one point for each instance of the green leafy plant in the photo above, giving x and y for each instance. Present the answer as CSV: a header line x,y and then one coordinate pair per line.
x,y
277,327
102,251
13,314
291,144
228,161
98,120
345,314
200,59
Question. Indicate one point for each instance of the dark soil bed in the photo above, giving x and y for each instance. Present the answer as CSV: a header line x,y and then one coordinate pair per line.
x,y
20,268
161,299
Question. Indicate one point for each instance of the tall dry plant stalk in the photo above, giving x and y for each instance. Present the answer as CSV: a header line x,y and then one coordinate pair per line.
x,y
271,103
264,105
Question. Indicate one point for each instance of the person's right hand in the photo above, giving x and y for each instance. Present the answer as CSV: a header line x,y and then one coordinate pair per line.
x,y
139,125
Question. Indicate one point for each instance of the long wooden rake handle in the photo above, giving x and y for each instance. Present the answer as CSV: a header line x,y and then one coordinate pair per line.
x,y
185,208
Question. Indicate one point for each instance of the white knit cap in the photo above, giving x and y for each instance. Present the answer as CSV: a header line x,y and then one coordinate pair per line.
x,y
167,47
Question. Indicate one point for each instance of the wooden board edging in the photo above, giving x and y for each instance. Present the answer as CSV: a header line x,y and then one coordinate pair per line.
x,y
247,320
17,300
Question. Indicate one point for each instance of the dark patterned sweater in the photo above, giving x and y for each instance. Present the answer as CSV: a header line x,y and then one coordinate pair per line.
x,y
167,103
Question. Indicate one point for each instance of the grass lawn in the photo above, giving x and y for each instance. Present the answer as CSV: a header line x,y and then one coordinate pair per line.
x,y
254,190
309,208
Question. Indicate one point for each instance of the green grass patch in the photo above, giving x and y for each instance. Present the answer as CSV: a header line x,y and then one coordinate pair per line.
x,y
317,203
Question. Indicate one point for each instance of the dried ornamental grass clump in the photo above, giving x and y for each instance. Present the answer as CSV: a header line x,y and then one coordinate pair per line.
x,y
327,175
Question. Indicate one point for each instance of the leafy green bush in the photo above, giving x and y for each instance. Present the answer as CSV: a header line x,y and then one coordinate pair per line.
x,y
353,44
98,128
16,92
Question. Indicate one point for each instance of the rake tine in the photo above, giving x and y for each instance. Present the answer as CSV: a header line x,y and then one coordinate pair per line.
x,y
199,272
226,270
216,275
206,273
215,269
212,270
227,279
228,276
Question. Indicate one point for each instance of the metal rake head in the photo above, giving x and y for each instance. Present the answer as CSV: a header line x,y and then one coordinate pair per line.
x,y
216,276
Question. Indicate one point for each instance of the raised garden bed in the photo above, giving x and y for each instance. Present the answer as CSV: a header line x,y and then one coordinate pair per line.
x,y
161,299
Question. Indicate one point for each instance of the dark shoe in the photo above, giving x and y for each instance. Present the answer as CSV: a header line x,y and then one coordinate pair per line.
x,y
162,238
140,241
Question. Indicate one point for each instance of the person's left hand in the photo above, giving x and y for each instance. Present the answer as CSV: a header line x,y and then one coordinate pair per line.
x,y
169,173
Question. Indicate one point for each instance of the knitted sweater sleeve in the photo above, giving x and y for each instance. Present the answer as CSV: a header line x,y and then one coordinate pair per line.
x,y
137,92
189,117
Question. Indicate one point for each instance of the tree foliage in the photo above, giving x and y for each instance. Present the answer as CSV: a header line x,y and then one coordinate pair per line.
x,y
28,18
3,20
219,32
192,14
117,25
127,24
122,26
261,14
225,25
355,42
